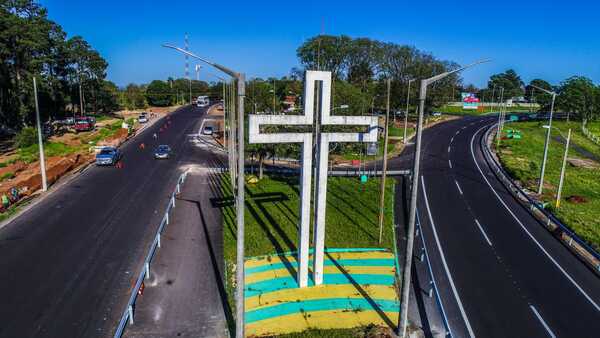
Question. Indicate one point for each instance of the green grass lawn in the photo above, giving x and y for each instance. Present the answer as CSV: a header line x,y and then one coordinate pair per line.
x,y
272,217
522,159
594,127
32,153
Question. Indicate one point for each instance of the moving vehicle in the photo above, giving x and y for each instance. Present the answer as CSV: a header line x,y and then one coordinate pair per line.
x,y
108,156
84,124
202,101
163,151
208,130
143,118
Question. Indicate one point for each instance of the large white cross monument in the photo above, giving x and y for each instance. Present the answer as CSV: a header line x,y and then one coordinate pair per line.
x,y
306,139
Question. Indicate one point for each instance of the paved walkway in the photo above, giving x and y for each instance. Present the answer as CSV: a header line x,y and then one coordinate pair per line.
x,y
184,296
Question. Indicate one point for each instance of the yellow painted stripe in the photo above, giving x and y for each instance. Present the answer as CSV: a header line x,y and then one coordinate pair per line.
x,y
252,262
337,319
278,273
320,292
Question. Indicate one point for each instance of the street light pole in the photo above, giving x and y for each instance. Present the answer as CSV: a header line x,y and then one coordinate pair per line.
x,y
413,198
406,113
547,143
562,170
40,141
240,206
385,144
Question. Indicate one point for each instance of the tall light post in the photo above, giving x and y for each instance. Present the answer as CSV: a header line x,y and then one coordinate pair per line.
x,y
493,96
413,198
40,141
547,143
241,92
562,170
384,170
406,113
498,131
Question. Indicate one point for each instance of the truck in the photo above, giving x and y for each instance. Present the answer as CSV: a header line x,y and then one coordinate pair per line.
x,y
84,124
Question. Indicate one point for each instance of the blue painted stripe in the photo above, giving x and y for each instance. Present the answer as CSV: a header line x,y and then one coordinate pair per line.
x,y
343,262
289,282
328,304
310,251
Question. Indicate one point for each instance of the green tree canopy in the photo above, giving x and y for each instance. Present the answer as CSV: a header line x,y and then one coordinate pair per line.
x,y
579,95
159,94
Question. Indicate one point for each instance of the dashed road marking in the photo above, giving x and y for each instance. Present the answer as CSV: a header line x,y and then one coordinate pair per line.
x,y
537,314
458,186
483,232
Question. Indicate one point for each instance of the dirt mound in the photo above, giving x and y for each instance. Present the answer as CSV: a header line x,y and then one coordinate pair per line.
x,y
115,140
30,179
13,168
583,163
576,199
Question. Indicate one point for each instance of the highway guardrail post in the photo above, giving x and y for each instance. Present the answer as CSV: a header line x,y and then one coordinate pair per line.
x,y
158,240
147,268
130,310
167,218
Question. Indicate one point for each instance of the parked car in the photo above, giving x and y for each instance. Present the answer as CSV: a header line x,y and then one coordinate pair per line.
x,y
163,151
208,130
108,156
143,118
84,124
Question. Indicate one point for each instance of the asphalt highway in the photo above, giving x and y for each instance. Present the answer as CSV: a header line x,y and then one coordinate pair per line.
x,y
500,273
67,265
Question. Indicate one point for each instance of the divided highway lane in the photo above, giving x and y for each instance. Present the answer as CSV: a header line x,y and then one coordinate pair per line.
x,y
67,264
500,273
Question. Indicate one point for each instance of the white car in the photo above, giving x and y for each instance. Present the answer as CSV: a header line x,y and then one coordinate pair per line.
x,y
143,118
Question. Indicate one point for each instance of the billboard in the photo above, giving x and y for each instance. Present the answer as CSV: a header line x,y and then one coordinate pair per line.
x,y
469,101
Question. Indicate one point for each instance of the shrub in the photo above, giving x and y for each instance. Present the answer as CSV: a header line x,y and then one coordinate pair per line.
x,y
26,137
7,176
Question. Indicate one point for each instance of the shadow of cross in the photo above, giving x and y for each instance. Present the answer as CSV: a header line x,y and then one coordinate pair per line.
x,y
306,140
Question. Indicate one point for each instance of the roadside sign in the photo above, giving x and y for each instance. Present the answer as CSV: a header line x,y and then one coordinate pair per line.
x,y
372,149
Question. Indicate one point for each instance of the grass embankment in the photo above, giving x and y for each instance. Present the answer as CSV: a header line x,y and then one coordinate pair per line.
x,y
522,160
271,219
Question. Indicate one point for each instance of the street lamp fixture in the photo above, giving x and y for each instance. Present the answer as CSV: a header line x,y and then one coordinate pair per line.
x,y
241,92
546,144
413,200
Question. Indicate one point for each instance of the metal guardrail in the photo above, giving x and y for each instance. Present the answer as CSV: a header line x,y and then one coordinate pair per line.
x,y
588,254
145,272
336,172
433,290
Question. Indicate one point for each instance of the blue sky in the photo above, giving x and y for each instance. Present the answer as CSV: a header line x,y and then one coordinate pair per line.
x,y
548,39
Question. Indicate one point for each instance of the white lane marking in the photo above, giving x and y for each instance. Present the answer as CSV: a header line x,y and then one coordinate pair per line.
x,y
439,246
458,186
449,147
537,314
452,140
450,164
483,232
527,231
457,132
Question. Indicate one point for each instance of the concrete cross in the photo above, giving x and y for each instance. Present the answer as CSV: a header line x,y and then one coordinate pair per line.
x,y
323,140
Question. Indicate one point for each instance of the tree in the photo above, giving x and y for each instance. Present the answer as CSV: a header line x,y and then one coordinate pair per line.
x,y
533,94
133,97
509,80
579,95
159,94
325,52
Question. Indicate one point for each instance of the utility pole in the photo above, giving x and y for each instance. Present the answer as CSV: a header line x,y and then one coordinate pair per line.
x,y
385,144
40,141
406,113
499,131
562,170
413,199
547,143
493,97
273,95
81,109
